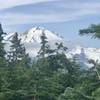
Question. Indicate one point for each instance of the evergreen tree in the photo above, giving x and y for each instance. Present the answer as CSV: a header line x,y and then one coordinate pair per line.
x,y
93,76
93,30
17,50
60,48
2,51
51,77
42,52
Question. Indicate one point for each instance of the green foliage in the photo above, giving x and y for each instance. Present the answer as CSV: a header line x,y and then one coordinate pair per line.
x,y
96,94
44,46
2,51
17,51
93,75
52,76
93,30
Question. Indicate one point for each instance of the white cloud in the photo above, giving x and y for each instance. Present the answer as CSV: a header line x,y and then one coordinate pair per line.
x,y
11,3
70,11
11,19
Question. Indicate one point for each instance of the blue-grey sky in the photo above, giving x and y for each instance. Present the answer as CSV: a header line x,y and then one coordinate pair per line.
x,y
65,17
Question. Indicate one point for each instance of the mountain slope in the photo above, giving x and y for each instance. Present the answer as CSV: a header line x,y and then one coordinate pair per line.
x,y
34,34
83,55
31,40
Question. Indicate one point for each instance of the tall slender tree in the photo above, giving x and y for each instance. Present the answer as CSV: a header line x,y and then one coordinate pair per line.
x,y
2,51
44,46
17,50
93,31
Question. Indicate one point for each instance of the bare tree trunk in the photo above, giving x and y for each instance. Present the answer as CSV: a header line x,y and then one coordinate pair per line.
x,y
34,98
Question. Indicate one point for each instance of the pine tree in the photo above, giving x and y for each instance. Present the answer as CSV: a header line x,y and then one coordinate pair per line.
x,y
2,51
60,48
17,50
43,50
93,30
93,75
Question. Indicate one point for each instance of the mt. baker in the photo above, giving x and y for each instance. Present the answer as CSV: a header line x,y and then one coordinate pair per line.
x,y
31,40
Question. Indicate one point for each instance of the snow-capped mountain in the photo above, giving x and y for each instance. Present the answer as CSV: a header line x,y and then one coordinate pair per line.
x,y
83,55
34,34
31,40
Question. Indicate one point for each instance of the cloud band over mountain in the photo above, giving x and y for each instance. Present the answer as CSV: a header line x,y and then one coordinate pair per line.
x,y
47,11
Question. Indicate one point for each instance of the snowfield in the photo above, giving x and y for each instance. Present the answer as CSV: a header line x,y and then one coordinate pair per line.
x,y
31,40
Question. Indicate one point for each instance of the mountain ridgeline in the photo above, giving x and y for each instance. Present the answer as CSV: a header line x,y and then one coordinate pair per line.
x,y
31,39
54,74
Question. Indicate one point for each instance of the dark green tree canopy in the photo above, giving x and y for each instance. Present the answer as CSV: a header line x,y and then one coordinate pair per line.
x,y
2,51
52,76
44,45
93,30
17,50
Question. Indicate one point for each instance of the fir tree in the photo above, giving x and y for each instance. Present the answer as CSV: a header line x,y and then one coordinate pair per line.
x,y
2,51
93,30
60,48
42,52
17,50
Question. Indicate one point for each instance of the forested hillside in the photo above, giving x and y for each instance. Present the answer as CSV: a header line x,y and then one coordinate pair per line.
x,y
50,76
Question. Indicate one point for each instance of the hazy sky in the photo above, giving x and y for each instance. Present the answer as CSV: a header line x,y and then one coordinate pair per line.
x,y
65,17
